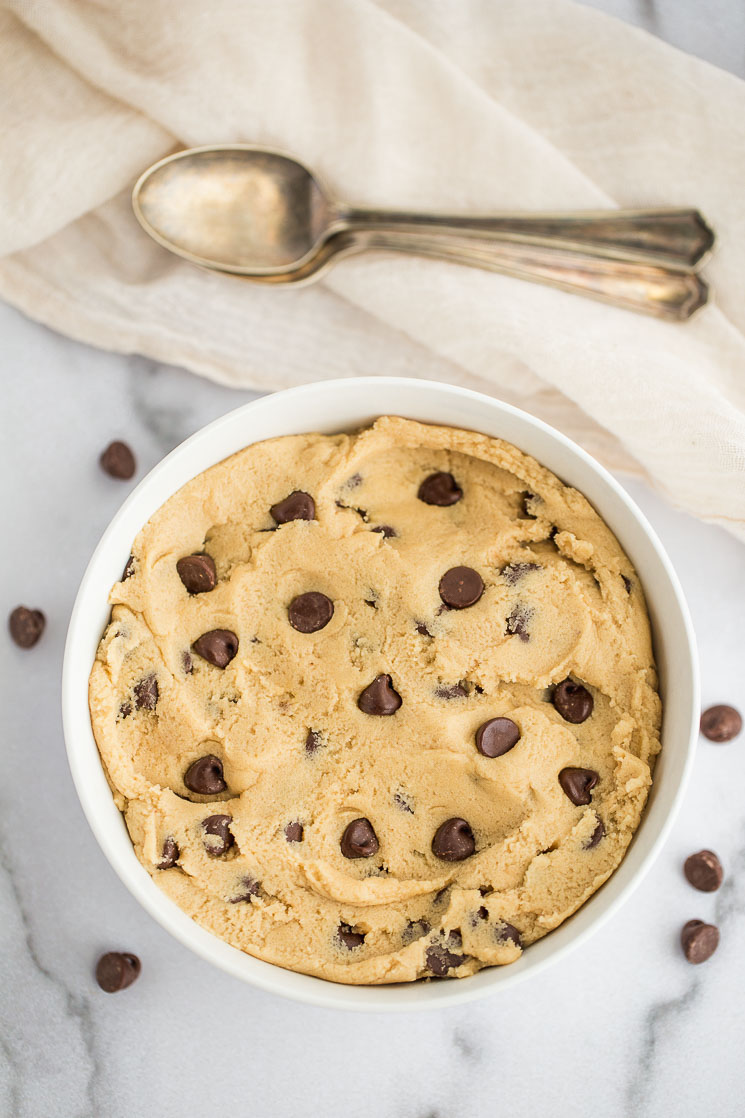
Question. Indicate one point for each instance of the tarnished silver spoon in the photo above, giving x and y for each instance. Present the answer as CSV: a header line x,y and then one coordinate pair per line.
x,y
261,214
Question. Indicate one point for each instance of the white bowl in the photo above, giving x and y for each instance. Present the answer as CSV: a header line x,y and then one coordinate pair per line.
x,y
341,405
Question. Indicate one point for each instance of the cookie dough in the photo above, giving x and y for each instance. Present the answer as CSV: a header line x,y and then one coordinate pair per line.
x,y
381,706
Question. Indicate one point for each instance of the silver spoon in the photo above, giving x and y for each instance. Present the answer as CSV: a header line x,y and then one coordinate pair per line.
x,y
260,214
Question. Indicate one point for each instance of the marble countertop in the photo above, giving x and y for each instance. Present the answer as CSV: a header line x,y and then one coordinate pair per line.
x,y
623,1027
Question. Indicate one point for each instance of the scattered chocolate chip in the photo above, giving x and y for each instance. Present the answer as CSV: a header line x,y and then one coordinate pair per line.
x,y
218,838
440,959
497,737
721,723
205,776
312,741
298,506
169,854
347,935
118,461
577,784
528,498
453,840
451,691
217,647
485,890
294,832
386,531
116,970
403,801
596,835
26,626
573,701
197,572
359,839
353,481
513,572
146,692
461,587
704,871
422,629
518,621
504,932
440,489
379,697
415,929
310,612
371,602
129,570
187,663
482,913
247,890
699,940
125,709
627,583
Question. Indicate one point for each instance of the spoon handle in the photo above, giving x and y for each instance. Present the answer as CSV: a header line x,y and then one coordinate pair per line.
x,y
673,237
663,292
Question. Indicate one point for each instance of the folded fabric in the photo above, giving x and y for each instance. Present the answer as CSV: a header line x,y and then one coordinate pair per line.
x,y
453,105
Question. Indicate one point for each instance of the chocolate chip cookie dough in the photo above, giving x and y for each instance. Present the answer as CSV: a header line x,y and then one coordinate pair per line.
x,y
378,707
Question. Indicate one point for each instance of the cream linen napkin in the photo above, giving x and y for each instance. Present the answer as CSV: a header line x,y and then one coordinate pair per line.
x,y
451,104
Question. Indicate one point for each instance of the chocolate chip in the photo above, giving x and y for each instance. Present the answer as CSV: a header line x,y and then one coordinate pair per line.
x,y
482,913
247,890
294,832
197,572
402,801
704,871
116,970
497,737
578,784
218,838
513,572
298,506
505,932
217,647
415,929
422,629
627,583
453,840
353,481
310,612
573,701
528,499
699,940
129,570
385,530
187,663
205,776
349,937
379,697
721,723
440,489
313,741
518,621
146,692
169,854
125,709
451,691
461,587
440,959
359,839
26,626
118,461
596,835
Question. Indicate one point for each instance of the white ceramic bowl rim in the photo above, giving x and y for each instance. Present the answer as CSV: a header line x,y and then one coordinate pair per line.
x,y
346,404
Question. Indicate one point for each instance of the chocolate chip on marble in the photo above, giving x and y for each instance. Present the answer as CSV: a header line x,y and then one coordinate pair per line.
x,y
198,573
116,970
218,838
26,626
721,723
348,937
248,888
294,832
386,531
451,691
312,741
217,647
596,835
704,871
129,570
379,697
440,489
146,692
699,940
513,572
461,587
518,621
359,839
505,932
497,737
298,506
440,959
577,784
573,701
402,801
205,776
310,612
118,461
453,841
169,854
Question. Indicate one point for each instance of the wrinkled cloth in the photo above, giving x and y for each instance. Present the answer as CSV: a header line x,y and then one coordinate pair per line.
x,y
456,105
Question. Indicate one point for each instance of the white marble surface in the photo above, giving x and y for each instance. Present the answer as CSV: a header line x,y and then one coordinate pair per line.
x,y
623,1028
